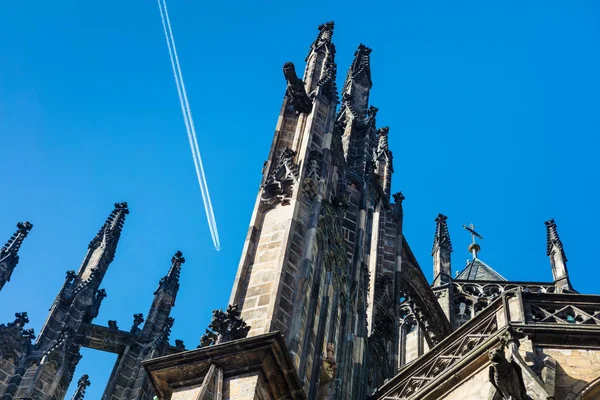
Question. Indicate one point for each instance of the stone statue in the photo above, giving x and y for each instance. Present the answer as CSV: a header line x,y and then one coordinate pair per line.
x,y
506,376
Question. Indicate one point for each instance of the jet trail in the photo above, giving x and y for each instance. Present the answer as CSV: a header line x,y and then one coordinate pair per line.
x,y
189,122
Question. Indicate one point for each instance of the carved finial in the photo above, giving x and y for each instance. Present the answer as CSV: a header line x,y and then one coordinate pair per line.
x,y
82,385
163,337
372,111
558,258
325,33
398,197
178,258
473,247
9,257
137,321
112,324
170,282
21,318
179,344
442,235
225,327
71,275
552,238
382,138
113,225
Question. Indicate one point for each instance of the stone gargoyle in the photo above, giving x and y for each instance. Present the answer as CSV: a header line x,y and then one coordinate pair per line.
x,y
506,376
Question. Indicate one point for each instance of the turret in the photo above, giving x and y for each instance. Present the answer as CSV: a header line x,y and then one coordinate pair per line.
x,y
9,257
442,248
558,259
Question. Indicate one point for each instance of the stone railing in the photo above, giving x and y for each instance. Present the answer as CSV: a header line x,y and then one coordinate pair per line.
x,y
545,316
460,346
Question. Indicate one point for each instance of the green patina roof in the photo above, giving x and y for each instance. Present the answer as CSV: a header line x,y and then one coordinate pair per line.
x,y
477,270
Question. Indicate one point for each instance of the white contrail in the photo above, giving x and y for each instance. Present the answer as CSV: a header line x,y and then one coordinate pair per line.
x,y
189,122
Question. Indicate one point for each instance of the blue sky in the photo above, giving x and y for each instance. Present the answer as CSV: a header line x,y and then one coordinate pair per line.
x,y
492,108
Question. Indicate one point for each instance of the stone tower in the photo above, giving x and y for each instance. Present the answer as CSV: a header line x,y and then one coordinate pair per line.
x,y
325,256
323,223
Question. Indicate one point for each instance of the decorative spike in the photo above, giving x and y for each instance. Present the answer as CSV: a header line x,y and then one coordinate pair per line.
x,y
552,238
111,230
9,257
82,385
558,259
442,236
170,282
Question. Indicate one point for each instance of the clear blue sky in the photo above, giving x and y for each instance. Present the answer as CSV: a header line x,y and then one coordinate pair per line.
x,y
493,109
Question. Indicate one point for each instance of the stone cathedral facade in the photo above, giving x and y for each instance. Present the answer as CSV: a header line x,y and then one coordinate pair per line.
x,y
329,301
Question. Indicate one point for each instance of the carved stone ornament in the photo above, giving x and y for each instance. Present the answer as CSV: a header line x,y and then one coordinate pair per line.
x,y
329,365
137,321
313,173
225,327
325,33
112,324
15,341
82,385
295,90
279,184
506,376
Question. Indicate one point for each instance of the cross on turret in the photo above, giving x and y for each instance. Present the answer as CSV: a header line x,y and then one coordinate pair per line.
x,y
473,247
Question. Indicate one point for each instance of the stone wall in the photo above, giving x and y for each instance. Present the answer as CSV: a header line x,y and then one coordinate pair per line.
x,y
575,369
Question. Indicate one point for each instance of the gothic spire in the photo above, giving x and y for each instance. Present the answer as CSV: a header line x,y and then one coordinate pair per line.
x,y
111,230
164,298
558,259
82,385
9,257
355,94
360,70
170,282
101,250
553,240
442,247
442,236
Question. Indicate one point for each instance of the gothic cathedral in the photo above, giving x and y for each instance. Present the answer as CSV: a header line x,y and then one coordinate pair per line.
x,y
329,301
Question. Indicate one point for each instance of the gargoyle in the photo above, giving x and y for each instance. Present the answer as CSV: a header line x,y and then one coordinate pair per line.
x,y
506,376
295,90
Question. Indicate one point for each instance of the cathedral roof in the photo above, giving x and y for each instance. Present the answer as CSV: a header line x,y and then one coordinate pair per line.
x,y
477,270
